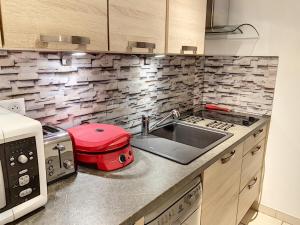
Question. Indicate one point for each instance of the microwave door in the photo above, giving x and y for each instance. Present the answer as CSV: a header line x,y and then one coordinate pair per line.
x,y
2,188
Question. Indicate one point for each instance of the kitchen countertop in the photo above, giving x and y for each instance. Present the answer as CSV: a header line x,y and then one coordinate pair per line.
x,y
124,196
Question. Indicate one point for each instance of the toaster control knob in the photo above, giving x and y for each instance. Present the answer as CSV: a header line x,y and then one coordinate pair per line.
x,y
122,158
22,159
68,164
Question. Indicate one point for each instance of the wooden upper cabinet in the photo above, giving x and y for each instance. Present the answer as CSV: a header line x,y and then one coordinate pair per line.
x,y
186,26
137,26
65,25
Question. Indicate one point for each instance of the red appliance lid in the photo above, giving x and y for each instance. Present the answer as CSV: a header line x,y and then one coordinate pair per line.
x,y
99,137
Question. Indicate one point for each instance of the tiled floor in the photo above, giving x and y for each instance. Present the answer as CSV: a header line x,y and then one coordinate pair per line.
x,y
254,218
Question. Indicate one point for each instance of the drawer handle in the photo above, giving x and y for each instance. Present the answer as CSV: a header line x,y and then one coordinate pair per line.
x,y
189,48
256,150
252,183
79,40
228,158
258,132
138,44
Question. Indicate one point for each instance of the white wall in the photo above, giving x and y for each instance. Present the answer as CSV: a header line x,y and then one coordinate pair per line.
x,y
279,24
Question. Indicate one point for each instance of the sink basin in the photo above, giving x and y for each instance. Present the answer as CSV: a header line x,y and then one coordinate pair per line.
x,y
194,136
180,142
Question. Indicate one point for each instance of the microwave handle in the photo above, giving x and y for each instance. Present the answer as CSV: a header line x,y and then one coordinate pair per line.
x,y
2,188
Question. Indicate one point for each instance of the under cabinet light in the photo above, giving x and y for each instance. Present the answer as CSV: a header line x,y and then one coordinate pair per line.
x,y
160,56
78,53
66,58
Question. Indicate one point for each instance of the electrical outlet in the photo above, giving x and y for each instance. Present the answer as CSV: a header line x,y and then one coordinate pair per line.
x,y
15,105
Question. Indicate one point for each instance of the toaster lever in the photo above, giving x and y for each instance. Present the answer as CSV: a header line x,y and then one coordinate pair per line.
x,y
59,147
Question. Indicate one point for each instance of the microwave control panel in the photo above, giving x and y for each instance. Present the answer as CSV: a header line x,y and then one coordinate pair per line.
x,y
22,169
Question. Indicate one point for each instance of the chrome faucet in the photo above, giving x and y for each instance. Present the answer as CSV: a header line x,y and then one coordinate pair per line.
x,y
146,120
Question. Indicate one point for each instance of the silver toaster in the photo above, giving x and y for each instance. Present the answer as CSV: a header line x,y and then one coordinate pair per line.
x,y
58,153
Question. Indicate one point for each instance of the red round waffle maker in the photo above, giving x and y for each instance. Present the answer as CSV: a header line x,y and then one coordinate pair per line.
x,y
106,146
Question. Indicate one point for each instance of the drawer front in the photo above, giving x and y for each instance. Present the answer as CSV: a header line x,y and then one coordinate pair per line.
x,y
221,190
252,162
254,139
248,196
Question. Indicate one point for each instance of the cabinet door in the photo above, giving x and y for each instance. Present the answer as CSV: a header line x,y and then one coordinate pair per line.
x,y
186,26
252,162
136,26
61,22
255,138
221,183
248,196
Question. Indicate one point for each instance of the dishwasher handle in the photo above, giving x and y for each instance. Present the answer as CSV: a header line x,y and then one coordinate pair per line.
x,y
2,188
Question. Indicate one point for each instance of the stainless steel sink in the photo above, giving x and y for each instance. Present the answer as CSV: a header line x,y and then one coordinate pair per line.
x,y
180,142
197,137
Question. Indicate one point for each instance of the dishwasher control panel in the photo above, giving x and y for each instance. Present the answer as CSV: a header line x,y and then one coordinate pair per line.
x,y
181,209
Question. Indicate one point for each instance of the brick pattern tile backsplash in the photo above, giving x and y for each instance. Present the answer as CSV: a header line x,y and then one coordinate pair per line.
x,y
119,89
244,84
99,88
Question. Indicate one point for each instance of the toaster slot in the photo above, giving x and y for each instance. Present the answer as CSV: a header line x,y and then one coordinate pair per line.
x,y
50,129
59,148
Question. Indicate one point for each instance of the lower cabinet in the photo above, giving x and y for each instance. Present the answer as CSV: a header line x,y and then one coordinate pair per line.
x,y
232,184
221,183
248,195
252,163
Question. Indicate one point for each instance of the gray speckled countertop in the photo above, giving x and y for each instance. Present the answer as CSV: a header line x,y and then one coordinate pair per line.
x,y
124,196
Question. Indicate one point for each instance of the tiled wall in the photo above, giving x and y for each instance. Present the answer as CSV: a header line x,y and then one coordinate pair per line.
x,y
120,88
103,88
244,84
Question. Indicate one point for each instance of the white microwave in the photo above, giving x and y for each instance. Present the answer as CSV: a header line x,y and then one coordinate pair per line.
x,y
23,186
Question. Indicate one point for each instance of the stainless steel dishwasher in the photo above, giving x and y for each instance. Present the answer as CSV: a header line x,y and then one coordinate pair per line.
x,y
184,208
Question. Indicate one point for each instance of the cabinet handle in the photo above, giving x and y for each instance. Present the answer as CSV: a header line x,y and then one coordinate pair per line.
x,y
79,40
258,132
2,189
228,158
252,183
256,150
139,44
189,48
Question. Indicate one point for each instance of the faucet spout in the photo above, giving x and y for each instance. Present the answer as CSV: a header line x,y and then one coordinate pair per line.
x,y
174,114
